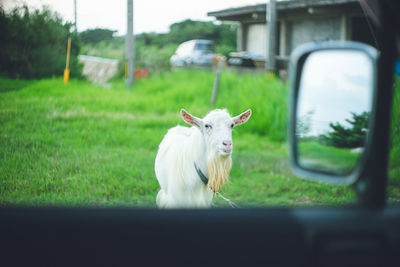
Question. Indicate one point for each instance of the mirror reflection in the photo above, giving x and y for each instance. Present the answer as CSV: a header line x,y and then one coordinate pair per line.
x,y
334,104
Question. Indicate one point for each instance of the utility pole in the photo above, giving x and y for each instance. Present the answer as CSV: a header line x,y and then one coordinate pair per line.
x,y
270,65
76,24
129,45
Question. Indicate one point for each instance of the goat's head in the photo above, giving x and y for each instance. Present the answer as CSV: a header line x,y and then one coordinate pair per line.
x,y
216,128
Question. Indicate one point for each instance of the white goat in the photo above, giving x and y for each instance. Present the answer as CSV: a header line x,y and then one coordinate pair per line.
x,y
186,156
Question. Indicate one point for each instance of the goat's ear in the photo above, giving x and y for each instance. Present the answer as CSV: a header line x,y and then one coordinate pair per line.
x,y
242,118
190,119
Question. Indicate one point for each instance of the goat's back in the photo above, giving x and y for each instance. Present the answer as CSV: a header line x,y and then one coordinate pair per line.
x,y
170,153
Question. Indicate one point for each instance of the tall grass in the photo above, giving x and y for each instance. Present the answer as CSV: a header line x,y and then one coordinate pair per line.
x,y
264,94
80,144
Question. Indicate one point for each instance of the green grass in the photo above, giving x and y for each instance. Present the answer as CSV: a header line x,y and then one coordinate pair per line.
x,y
108,49
81,144
393,189
316,156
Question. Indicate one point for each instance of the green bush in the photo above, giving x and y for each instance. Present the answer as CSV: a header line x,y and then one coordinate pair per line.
x,y
342,136
225,49
96,35
114,48
189,29
394,159
395,133
154,58
34,44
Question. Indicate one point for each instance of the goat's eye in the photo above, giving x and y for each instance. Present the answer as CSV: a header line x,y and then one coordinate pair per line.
x,y
232,125
208,126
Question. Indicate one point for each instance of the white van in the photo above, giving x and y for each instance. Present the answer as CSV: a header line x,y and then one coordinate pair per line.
x,y
193,52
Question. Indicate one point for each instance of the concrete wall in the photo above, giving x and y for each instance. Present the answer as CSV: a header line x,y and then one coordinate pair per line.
x,y
304,31
99,70
292,32
256,41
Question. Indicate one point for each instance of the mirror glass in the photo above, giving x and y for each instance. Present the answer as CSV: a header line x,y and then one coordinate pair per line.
x,y
334,104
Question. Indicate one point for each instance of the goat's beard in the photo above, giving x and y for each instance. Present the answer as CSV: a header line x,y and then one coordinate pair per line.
x,y
218,170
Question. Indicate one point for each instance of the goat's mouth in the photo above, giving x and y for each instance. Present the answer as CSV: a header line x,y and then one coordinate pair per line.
x,y
225,151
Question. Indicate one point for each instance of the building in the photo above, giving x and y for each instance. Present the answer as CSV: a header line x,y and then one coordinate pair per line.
x,y
298,22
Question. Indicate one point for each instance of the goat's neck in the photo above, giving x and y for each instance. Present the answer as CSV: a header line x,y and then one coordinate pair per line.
x,y
200,150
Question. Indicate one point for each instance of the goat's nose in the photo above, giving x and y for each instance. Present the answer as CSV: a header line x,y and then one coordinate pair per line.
x,y
227,143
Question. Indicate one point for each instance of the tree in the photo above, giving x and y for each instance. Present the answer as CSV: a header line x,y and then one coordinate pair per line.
x,y
189,29
224,35
348,137
303,125
96,35
34,44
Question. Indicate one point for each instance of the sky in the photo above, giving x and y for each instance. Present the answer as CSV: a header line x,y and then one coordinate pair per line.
x,y
149,15
343,85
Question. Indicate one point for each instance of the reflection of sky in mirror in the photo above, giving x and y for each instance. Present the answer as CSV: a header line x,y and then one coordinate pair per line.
x,y
334,83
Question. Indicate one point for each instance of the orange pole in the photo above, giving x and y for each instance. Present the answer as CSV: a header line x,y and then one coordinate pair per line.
x,y
66,71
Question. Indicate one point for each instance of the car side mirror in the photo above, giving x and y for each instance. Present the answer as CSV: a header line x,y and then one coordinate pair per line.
x,y
332,110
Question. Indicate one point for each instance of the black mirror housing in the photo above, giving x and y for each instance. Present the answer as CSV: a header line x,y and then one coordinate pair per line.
x,y
299,74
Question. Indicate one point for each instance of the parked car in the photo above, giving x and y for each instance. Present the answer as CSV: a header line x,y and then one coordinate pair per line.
x,y
193,52
245,59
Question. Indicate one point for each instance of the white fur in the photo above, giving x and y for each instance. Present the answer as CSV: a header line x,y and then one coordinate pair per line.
x,y
181,186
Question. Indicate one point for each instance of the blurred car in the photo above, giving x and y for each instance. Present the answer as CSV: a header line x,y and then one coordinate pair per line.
x,y
244,59
193,52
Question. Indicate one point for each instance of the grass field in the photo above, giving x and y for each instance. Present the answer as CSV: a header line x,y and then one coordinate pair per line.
x,y
81,144
317,156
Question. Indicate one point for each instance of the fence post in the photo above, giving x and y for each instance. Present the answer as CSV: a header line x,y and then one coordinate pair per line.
x,y
216,82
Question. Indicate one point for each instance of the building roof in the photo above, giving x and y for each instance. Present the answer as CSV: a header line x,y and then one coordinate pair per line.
x,y
233,13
